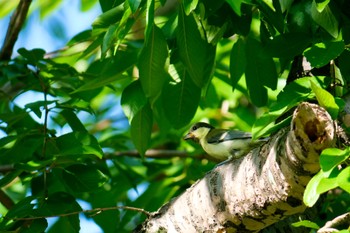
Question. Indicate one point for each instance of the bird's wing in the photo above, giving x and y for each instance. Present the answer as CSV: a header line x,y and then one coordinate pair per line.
x,y
220,135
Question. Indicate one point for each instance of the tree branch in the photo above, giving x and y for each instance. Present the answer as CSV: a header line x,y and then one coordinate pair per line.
x,y
256,191
92,212
15,25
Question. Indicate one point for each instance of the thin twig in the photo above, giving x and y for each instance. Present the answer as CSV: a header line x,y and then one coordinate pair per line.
x,y
93,212
151,153
15,25
331,226
5,200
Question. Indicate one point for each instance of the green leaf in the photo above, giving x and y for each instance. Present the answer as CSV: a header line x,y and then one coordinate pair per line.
x,y
285,5
83,178
141,129
236,6
321,4
287,45
109,17
292,94
22,209
134,5
189,5
322,53
326,184
37,225
80,37
152,63
344,179
70,224
9,177
326,100
7,7
73,121
24,149
133,99
109,39
332,157
237,61
196,54
311,195
325,19
149,18
37,106
260,72
77,143
33,56
181,99
306,223
47,7
108,71
273,16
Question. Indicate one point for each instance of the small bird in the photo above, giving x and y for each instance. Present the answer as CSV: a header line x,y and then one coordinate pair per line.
x,y
221,144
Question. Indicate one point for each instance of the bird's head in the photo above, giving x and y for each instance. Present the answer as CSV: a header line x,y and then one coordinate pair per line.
x,y
198,131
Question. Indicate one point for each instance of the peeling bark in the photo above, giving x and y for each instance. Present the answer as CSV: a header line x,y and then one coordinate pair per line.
x,y
256,191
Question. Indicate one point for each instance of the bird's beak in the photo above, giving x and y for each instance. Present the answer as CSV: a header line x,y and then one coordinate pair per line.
x,y
189,136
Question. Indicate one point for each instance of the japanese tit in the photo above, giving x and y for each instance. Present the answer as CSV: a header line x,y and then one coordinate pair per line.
x,y
221,144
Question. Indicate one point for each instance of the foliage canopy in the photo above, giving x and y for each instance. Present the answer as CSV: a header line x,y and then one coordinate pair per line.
x,y
165,64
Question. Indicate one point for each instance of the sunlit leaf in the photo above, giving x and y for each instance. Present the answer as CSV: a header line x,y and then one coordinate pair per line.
x,y
306,223
344,179
79,143
7,6
327,183
321,4
134,5
236,6
322,53
189,5
311,195
323,16
326,100
108,39
331,158
109,17
47,7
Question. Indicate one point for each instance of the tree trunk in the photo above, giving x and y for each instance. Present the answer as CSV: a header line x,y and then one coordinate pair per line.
x,y
258,190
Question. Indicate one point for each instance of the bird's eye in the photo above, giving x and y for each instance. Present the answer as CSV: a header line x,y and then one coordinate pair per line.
x,y
194,127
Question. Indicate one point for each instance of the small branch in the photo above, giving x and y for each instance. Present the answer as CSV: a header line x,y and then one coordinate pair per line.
x,y
92,212
151,153
5,200
15,25
331,226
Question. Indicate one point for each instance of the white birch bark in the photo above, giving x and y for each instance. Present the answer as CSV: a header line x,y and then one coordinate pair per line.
x,y
253,192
